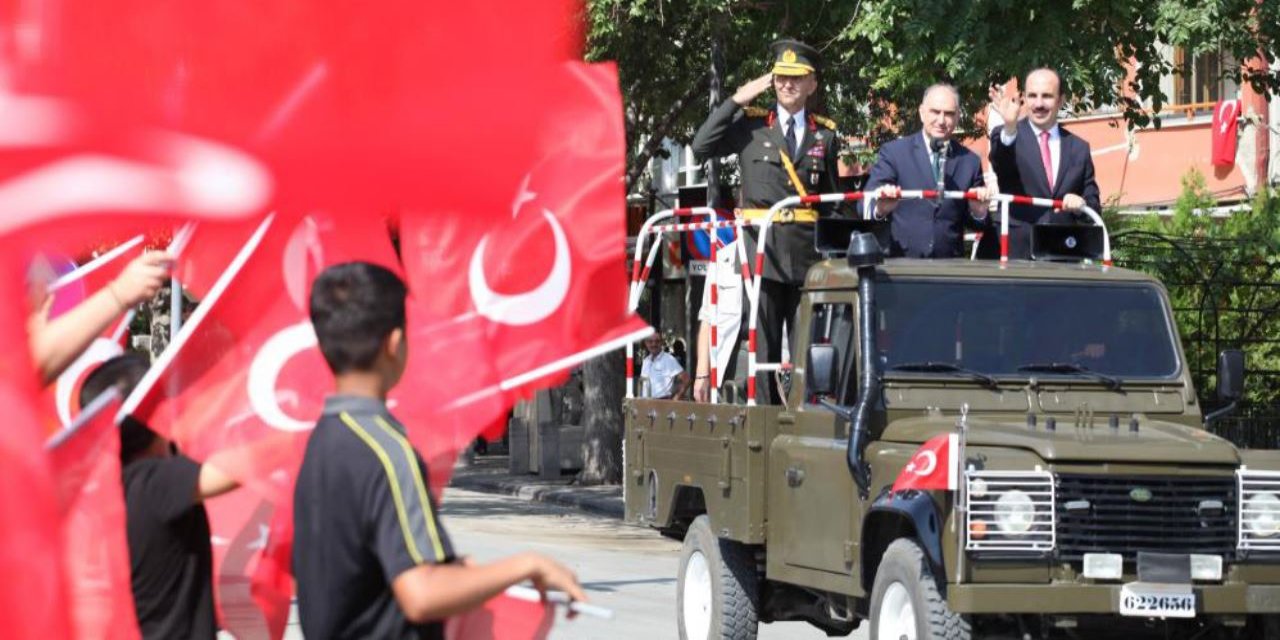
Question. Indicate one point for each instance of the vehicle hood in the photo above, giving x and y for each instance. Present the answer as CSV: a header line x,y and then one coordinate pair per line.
x,y
1154,441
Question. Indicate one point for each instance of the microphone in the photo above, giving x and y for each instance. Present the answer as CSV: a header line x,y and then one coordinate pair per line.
x,y
940,147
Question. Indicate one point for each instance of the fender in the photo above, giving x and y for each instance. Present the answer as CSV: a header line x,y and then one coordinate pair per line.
x,y
883,523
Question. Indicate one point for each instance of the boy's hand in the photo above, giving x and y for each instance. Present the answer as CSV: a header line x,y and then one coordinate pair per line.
x,y
551,575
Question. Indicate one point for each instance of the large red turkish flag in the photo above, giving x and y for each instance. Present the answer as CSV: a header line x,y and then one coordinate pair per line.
x,y
545,271
86,464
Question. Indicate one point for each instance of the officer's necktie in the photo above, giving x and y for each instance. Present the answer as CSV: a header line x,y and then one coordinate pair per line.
x,y
791,137
937,167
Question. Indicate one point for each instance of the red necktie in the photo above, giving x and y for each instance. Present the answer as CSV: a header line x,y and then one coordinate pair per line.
x,y
1046,158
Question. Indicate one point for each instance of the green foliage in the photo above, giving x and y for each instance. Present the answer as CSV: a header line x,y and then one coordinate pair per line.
x,y
1223,280
880,53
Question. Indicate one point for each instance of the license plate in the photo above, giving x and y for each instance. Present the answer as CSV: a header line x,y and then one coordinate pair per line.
x,y
1148,600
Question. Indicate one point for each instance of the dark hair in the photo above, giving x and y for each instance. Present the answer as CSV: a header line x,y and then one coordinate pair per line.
x,y
354,306
122,372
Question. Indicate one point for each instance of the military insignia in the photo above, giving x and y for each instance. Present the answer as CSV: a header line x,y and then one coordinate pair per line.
x,y
816,151
789,56
768,145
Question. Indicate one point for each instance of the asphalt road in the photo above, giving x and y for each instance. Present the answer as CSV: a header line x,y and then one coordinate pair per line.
x,y
627,569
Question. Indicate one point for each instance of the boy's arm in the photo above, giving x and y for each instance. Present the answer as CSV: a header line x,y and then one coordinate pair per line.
x,y
436,591
213,482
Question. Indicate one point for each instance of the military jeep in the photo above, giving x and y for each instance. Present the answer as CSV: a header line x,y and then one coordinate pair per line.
x,y
1091,500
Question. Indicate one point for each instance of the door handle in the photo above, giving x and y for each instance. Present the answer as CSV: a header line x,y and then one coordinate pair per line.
x,y
795,476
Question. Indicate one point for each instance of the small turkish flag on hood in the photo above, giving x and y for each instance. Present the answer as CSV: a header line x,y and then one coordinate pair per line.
x,y
934,466
1226,115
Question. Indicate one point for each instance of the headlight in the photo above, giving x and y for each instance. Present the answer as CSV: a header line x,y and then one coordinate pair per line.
x,y
1015,512
1262,514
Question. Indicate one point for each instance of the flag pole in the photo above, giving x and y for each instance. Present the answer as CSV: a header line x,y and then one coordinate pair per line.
x,y
962,482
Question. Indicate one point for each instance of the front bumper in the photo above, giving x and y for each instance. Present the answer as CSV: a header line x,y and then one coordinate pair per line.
x,y
1072,598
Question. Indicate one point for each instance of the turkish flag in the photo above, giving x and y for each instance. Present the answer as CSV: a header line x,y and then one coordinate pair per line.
x,y
935,465
33,602
503,618
1226,118
60,401
546,271
86,465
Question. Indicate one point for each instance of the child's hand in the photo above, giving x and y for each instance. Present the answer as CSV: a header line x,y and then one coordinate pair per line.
x,y
551,575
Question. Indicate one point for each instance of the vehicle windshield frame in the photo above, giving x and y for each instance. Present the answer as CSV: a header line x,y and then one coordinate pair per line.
x,y
884,281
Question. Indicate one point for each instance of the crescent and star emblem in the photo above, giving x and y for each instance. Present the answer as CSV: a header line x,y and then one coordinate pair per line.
x,y
535,304
265,371
924,463
99,351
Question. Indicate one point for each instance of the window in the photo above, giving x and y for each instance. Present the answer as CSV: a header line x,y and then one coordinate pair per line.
x,y
1197,81
833,324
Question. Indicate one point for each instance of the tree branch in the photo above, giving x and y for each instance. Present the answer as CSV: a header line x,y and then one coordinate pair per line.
x,y
659,131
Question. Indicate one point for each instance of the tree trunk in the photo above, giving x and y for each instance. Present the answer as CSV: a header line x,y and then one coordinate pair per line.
x,y
602,419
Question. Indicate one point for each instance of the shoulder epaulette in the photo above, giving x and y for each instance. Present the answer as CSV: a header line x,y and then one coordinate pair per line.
x,y
756,112
826,122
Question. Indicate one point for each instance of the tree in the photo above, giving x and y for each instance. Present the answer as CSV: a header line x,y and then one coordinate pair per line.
x,y
602,419
881,53
1093,44
663,51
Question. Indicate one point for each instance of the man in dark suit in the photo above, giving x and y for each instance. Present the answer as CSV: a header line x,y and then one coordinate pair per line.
x,y
925,160
1036,157
782,151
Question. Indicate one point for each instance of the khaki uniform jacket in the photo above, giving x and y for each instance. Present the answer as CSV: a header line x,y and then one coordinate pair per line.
x,y
757,138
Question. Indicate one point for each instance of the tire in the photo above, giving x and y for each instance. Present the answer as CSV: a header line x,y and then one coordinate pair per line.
x,y
718,592
905,602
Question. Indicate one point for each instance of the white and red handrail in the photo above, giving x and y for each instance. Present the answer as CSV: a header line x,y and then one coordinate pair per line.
x,y
751,277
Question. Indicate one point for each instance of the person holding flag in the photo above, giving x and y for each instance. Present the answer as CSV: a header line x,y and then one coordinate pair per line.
x,y
370,555
56,343
171,560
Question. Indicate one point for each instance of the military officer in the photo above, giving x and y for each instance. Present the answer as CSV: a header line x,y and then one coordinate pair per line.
x,y
782,151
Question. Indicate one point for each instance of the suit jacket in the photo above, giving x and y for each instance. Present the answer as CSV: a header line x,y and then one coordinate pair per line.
x,y
1020,170
927,228
757,137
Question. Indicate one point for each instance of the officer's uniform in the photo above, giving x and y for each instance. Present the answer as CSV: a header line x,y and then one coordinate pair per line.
x,y
770,174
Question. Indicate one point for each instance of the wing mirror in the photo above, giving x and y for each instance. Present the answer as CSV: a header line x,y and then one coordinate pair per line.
x,y
1231,375
820,373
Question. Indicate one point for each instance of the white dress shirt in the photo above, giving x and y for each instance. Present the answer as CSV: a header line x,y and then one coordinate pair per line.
x,y
783,114
1055,145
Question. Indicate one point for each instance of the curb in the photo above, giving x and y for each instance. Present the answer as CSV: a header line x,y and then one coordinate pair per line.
x,y
602,501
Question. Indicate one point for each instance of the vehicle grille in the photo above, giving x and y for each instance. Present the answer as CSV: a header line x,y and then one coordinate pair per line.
x,y
1179,515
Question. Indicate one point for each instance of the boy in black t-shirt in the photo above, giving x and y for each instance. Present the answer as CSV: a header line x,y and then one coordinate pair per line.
x,y
171,562
370,555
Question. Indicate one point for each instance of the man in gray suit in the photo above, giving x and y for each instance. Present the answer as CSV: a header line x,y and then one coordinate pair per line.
x,y
929,159
782,151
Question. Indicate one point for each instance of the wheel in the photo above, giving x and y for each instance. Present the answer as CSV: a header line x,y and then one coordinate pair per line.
x,y
905,603
718,591
1262,627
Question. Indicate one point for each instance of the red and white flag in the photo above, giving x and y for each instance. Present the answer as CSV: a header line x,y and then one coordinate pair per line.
x,y
546,272
935,465
1226,118
503,618
86,466
34,606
